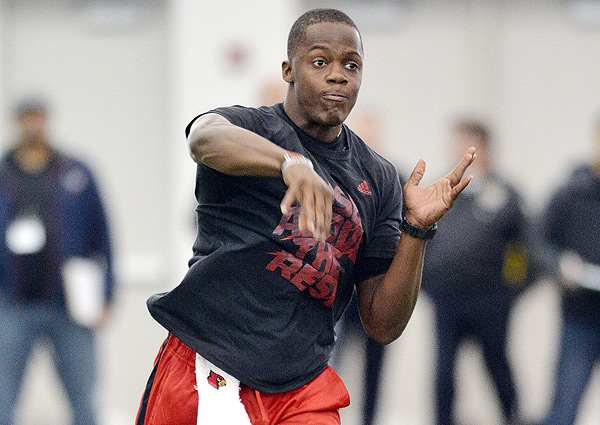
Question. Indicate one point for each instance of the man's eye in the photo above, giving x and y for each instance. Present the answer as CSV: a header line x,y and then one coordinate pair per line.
x,y
352,66
319,63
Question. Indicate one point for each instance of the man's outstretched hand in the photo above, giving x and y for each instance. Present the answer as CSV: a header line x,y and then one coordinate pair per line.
x,y
426,205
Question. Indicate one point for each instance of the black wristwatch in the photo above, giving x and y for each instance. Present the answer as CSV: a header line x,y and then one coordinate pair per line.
x,y
418,232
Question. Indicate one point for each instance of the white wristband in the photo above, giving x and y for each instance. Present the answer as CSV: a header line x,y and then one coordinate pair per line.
x,y
294,158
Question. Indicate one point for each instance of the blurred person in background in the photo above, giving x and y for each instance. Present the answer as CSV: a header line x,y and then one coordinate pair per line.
x,y
466,277
55,264
368,126
572,228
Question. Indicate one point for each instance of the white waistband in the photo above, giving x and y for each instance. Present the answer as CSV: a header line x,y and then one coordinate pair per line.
x,y
218,395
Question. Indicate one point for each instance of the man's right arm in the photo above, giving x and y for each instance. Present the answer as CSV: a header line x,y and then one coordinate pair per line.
x,y
232,150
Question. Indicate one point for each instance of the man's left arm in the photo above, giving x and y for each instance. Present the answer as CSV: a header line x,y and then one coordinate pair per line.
x,y
386,301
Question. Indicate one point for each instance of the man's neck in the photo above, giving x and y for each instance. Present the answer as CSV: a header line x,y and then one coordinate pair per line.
x,y
33,156
317,131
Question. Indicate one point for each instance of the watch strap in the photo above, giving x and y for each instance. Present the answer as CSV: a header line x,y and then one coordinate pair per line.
x,y
418,232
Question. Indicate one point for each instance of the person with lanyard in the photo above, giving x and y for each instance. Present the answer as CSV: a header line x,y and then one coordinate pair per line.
x,y
56,279
294,211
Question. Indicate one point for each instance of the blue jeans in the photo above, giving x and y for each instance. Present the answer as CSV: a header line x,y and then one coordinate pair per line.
x,y
73,352
579,352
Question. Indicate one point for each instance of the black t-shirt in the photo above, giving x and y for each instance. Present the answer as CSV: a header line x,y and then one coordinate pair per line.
x,y
36,267
260,299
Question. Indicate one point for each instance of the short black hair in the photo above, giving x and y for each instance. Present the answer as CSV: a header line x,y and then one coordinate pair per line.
x,y
314,16
474,128
31,105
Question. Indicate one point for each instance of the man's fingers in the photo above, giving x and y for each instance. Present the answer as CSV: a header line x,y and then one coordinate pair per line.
x,y
319,216
288,200
456,175
328,214
417,173
457,189
308,210
315,213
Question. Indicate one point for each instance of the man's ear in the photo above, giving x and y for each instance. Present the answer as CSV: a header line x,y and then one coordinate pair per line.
x,y
286,72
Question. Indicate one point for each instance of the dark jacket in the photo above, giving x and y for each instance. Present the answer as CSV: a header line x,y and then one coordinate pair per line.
x,y
465,262
572,223
78,221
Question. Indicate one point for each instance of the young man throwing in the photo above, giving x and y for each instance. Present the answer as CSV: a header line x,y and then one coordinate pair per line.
x,y
294,210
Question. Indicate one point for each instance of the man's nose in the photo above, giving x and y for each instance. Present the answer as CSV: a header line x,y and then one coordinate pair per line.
x,y
336,75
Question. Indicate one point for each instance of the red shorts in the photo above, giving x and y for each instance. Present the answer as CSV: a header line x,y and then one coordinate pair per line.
x,y
178,387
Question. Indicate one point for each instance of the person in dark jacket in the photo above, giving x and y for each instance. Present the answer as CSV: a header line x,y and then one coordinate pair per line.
x,y
466,275
55,265
572,227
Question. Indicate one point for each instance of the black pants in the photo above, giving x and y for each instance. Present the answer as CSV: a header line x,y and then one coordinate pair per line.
x,y
487,323
351,325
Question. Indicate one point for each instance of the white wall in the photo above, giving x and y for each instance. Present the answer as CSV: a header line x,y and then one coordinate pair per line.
x,y
201,79
418,76
107,88
549,85
524,66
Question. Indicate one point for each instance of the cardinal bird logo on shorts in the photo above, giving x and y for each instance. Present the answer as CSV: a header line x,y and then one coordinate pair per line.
x,y
216,380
